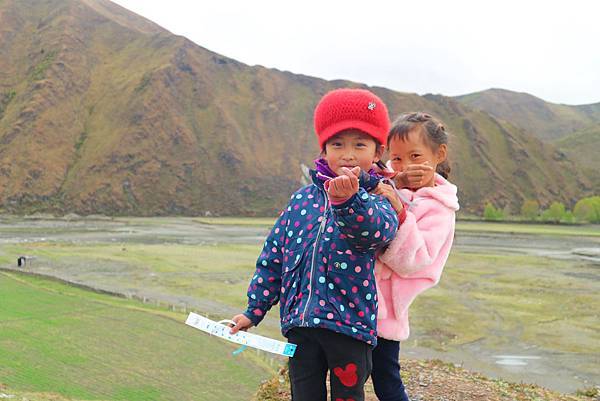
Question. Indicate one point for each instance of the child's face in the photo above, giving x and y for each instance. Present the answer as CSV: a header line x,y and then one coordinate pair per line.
x,y
415,150
351,148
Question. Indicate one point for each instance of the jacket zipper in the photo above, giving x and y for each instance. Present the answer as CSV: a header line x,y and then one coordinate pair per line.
x,y
312,263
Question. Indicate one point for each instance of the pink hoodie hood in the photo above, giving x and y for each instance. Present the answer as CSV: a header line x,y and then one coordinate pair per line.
x,y
414,260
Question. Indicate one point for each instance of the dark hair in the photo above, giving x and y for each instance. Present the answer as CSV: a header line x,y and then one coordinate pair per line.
x,y
432,130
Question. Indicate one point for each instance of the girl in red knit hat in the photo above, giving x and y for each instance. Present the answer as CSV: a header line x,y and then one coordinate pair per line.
x,y
414,260
318,261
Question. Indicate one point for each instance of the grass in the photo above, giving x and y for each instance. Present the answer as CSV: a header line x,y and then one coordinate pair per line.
x,y
501,299
471,226
40,69
238,221
55,338
220,272
534,229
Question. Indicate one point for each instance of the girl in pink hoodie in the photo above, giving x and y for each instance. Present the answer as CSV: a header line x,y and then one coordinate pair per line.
x,y
426,204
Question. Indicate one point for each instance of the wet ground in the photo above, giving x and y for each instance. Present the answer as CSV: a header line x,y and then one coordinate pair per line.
x,y
502,351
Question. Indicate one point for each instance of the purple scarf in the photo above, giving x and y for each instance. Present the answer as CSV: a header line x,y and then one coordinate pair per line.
x,y
325,173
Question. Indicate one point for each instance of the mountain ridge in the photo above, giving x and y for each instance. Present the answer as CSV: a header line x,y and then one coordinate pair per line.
x,y
99,117
548,121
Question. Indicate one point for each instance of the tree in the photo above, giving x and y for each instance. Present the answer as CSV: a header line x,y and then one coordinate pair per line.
x,y
530,209
491,213
588,209
554,213
569,217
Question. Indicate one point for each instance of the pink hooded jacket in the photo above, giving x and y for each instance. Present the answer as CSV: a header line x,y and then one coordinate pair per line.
x,y
414,260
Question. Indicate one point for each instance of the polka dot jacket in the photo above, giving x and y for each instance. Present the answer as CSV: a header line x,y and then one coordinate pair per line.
x,y
318,262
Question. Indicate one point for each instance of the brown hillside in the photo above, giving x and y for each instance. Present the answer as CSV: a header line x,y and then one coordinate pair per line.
x,y
102,111
548,121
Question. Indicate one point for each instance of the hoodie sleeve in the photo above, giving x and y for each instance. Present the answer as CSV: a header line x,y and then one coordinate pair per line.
x,y
265,286
367,221
420,242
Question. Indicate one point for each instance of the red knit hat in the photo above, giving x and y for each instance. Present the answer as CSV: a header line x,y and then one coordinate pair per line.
x,y
343,109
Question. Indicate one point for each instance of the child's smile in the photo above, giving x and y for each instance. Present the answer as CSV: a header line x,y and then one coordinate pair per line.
x,y
351,148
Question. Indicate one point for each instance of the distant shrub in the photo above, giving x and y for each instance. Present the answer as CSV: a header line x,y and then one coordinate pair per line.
x,y
568,217
555,213
530,209
5,99
491,213
588,209
39,70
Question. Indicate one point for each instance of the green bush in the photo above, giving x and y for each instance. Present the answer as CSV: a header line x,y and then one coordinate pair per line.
x,y
491,213
588,209
568,217
555,213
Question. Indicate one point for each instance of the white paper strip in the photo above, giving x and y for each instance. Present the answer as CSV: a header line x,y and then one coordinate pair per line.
x,y
241,337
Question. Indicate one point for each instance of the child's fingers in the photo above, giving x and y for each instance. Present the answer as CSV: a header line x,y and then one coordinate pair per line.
x,y
234,329
381,188
347,184
419,167
241,323
237,328
352,173
337,185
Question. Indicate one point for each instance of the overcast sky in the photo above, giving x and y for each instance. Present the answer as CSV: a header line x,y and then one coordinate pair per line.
x,y
550,49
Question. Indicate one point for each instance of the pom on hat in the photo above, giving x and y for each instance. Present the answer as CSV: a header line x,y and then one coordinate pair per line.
x,y
343,109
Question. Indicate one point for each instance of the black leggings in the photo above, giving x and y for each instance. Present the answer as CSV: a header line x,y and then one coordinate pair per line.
x,y
319,350
386,371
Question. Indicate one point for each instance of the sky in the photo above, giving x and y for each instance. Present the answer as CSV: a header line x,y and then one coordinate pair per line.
x,y
549,49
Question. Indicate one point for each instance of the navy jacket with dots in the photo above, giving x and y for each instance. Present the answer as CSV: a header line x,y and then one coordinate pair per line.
x,y
318,262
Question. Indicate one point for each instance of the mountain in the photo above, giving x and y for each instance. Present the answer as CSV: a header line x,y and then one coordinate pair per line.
x,y
103,111
574,130
548,121
583,146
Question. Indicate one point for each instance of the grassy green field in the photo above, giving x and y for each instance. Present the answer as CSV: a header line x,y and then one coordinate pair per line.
x,y
83,345
219,271
505,299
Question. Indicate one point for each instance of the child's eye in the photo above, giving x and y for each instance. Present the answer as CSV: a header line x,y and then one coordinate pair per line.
x,y
360,144
396,159
415,156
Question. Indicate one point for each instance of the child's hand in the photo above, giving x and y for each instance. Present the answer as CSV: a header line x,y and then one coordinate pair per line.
x,y
241,323
412,177
342,187
390,194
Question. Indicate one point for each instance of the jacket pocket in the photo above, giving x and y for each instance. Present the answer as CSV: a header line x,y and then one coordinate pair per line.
x,y
291,277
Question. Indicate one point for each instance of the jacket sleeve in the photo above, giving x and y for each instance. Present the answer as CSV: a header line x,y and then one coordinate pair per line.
x,y
418,243
265,286
367,221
